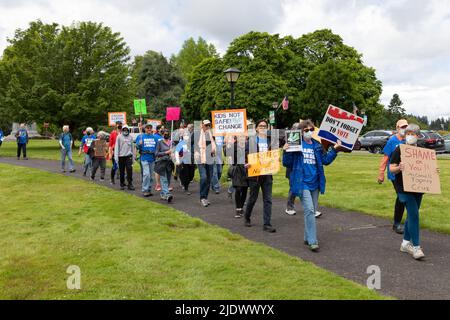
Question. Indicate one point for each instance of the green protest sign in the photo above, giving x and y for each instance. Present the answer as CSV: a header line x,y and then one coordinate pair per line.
x,y
140,106
272,117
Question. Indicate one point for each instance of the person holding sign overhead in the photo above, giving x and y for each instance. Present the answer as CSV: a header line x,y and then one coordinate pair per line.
x,y
411,200
307,177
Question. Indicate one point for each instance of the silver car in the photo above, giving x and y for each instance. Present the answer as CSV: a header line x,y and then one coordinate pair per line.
x,y
447,142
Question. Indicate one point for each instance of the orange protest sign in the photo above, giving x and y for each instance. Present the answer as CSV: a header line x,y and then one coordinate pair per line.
x,y
264,163
420,174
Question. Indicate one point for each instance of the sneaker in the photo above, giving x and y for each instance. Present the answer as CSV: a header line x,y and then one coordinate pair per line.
x,y
318,214
169,199
418,253
112,182
204,202
407,248
398,229
131,187
146,194
269,228
248,223
170,188
217,192
238,213
314,247
290,212
72,171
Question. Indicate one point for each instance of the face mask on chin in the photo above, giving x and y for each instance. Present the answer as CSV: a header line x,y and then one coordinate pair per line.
x,y
411,140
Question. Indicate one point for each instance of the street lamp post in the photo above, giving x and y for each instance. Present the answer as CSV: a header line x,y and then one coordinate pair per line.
x,y
232,75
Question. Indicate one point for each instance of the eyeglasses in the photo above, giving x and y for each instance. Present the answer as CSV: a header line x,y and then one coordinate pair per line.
x,y
262,127
308,129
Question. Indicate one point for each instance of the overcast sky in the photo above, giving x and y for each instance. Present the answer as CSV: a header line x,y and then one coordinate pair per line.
x,y
406,41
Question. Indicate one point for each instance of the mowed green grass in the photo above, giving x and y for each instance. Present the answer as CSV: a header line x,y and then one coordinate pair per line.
x,y
352,186
131,248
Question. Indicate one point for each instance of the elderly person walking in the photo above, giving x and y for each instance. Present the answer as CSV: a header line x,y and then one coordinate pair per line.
x,y
99,151
22,141
124,154
65,141
86,142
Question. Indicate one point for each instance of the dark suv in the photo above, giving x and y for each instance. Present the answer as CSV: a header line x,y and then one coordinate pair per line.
x,y
374,141
431,140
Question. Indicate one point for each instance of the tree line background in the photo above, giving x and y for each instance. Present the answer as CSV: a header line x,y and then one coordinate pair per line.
x,y
77,74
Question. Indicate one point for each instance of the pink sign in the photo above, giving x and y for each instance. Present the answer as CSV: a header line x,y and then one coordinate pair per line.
x,y
173,113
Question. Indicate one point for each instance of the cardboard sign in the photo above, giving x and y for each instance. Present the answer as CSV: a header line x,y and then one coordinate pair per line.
x,y
341,125
173,113
420,170
294,140
100,148
154,123
113,117
140,107
229,122
264,163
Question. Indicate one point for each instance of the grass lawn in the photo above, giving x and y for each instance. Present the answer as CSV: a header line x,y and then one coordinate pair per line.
x,y
352,186
130,248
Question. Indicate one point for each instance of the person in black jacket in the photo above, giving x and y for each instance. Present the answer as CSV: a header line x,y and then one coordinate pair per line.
x,y
237,172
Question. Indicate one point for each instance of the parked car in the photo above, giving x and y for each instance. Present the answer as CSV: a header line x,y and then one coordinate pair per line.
x,y
447,142
374,141
431,140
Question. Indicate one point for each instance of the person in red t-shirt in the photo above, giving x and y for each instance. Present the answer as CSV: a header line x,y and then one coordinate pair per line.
x,y
112,144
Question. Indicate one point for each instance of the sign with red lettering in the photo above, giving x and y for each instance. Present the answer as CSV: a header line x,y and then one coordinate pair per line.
x,y
420,173
339,124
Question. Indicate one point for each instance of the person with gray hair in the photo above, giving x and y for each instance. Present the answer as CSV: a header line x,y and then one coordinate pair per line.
x,y
65,141
411,200
98,151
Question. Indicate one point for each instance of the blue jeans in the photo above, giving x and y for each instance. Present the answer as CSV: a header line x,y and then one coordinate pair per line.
x,y
217,174
310,199
147,175
165,182
66,153
87,163
206,173
291,201
412,203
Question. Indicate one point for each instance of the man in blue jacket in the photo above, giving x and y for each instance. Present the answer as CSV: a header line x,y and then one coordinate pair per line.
x,y
22,141
307,177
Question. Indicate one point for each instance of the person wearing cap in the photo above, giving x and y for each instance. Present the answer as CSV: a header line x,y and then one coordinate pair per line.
x,y
205,152
125,153
112,144
86,142
391,145
147,146
411,200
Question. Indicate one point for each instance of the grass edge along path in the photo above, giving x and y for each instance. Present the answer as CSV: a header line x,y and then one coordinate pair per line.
x,y
130,248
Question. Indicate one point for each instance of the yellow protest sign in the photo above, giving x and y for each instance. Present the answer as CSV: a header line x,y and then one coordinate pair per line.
x,y
264,163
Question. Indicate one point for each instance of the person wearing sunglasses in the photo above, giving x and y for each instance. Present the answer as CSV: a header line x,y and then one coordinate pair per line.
x,y
388,150
307,177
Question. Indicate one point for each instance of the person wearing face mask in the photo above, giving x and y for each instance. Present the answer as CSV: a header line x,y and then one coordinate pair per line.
x,y
237,172
147,146
85,146
164,165
389,148
112,143
307,177
185,161
124,153
411,200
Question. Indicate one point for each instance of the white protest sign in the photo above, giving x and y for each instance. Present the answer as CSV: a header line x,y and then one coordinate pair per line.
x,y
113,117
229,122
341,125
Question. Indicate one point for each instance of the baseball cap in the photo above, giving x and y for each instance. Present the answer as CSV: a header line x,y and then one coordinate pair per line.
x,y
401,123
205,122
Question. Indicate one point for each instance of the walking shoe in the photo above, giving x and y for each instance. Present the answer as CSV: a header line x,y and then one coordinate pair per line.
x,y
204,202
238,213
187,192
169,199
72,171
318,214
408,248
146,194
418,253
131,187
102,179
122,187
398,229
92,179
170,188
248,223
269,228
290,212
314,247
217,192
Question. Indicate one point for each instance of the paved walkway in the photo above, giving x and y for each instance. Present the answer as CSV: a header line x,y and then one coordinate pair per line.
x,y
350,242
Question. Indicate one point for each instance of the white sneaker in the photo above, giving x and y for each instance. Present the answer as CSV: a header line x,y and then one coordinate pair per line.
x,y
318,214
408,248
204,202
418,253
290,212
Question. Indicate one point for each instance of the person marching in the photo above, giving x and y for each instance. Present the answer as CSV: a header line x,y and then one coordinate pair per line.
x,y
388,150
307,177
98,152
237,172
125,153
22,141
185,160
65,141
411,200
112,143
86,142
147,144
164,165
1,137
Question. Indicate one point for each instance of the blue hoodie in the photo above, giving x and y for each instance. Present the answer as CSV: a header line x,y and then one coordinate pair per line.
x,y
294,162
22,137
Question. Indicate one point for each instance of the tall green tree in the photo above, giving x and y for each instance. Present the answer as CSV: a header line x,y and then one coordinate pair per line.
x,y
66,75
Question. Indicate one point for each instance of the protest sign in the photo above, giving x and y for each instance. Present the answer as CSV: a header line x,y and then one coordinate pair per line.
x,y
420,174
294,140
140,108
154,123
264,163
173,113
272,117
229,122
113,117
341,125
